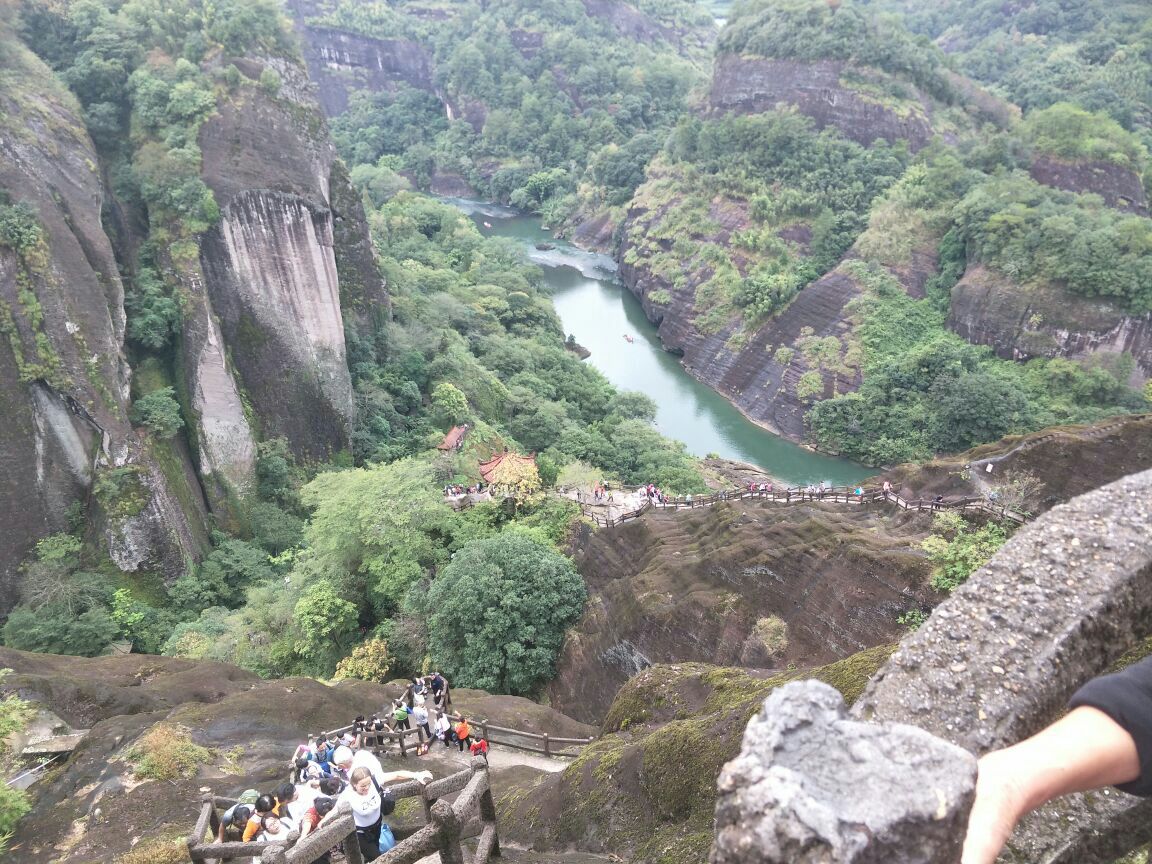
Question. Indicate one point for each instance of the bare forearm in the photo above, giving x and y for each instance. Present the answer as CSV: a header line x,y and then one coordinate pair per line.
x,y
1083,750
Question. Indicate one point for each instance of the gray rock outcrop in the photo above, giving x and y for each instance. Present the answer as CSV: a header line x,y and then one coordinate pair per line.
x,y
1120,187
64,378
849,803
1060,603
1020,322
752,85
274,276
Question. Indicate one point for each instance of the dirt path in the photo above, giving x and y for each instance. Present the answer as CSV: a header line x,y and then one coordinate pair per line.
x,y
498,758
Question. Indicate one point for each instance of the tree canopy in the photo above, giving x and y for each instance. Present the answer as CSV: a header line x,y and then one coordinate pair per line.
x,y
498,612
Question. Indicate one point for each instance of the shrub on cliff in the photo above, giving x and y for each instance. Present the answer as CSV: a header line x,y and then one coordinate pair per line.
x,y
158,412
958,549
497,613
19,227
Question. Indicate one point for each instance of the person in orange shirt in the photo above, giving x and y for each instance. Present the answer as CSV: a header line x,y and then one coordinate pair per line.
x,y
463,733
265,806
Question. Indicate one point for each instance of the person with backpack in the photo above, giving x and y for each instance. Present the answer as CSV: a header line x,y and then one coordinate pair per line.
x,y
440,694
400,716
443,729
265,806
420,715
370,803
273,828
235,818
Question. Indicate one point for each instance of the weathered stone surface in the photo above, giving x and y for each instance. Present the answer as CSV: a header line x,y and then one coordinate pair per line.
x,y
64,378
1068,461
340,62
1120,187
272,267
694,586
1024,321
854,803
752,85
997,661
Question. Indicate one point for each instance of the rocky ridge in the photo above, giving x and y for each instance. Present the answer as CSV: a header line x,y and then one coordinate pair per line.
x,y
741,584
265,299
64,376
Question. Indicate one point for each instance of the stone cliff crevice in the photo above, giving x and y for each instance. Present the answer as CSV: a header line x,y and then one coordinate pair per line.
x,y
64,378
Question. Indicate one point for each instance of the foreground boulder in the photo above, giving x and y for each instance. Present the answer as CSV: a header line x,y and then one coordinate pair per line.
x,y
854,802
1069,596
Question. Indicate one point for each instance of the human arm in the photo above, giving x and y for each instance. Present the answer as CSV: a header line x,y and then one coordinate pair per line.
x,y
1083,750
305,827
425,777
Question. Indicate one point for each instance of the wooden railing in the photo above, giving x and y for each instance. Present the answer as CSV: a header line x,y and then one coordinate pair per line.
x,y
834,495
472,813
548,745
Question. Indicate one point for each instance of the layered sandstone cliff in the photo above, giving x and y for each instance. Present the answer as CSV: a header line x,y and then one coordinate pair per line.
x,y
64,379
1020,322
820,90
271,269
265,295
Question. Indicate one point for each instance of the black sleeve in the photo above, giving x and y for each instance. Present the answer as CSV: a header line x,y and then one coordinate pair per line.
x,y
1126,697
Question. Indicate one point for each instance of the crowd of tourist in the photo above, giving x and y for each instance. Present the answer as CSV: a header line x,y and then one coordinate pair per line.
x,y
328,769
455,490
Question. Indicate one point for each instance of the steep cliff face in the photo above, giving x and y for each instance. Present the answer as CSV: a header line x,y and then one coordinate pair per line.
x,y
1120,187
341,62
272,274
697,586
1024,321
751,85
751,371
64,381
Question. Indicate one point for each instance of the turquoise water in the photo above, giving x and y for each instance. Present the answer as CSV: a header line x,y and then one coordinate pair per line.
x,y
598,311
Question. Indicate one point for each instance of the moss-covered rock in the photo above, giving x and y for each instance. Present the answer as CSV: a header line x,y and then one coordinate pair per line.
x,y
646,790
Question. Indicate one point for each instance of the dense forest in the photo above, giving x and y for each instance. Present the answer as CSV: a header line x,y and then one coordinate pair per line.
x,y
351,566
556,109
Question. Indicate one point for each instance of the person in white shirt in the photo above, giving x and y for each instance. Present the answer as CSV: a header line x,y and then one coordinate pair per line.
x,y
363,795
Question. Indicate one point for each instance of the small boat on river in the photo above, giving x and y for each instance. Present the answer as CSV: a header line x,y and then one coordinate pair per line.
x,y
629,339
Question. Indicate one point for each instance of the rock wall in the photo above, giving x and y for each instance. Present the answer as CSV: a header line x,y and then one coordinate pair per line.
x,y
64,379
1024,321
752,85
750,373
340,63
1068,596
693,586
1120,187
276,270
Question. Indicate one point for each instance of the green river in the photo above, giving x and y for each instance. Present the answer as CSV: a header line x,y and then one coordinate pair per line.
x,y
598,311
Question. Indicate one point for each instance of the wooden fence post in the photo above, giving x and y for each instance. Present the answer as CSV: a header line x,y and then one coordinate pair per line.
x,y
546,750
